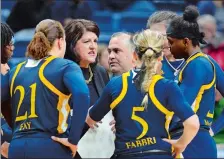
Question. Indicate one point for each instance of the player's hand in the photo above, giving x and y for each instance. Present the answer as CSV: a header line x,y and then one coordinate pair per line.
x,y
178,147
5,149
97,124
112,123
211,132
65,142
92,124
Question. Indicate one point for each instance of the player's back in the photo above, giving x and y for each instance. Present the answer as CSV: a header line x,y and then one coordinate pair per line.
x,y
39,97
139,128
197,79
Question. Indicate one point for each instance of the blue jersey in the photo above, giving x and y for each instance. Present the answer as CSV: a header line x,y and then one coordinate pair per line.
x,y
197,80
218,125
170,68
139,128
6,131
40,90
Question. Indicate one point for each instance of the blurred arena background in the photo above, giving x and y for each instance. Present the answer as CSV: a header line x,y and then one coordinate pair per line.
x,y
111,16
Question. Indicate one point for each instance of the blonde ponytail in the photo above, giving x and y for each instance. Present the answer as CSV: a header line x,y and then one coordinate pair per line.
x,y
149,46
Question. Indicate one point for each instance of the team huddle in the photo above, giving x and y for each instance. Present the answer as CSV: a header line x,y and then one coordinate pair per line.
x,y
159,105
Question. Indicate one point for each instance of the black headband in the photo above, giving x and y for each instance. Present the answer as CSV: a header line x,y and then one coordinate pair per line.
x,y
171,32
142,51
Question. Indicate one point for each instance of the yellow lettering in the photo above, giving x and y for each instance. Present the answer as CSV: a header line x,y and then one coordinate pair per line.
x,y
21,127
154,139
25,126
128,144
149,140
138,143
144,142
133,144
29,125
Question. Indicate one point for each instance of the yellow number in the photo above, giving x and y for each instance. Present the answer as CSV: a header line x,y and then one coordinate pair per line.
x,y
22,94
140,120
32,100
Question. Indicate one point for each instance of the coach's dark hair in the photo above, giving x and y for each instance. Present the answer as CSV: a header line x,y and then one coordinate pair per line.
x,y
187,26
6,37
46,32
74,30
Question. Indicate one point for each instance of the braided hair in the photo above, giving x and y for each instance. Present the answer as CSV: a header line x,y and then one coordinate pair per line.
x,y
149,45
6,37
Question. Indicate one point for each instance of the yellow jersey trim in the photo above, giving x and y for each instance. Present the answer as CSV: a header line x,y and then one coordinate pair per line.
x,y
62,106
188,60
123,91
152,95
45,81
14,76
196,104
169,114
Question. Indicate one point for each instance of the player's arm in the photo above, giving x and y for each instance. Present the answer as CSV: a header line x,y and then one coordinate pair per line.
x,y
218,125
5,89
194,76
5,99
6,133
75,82
6,136
219,76
181,108
101,107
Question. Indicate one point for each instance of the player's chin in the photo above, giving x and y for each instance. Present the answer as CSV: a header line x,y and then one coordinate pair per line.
x,y
176,55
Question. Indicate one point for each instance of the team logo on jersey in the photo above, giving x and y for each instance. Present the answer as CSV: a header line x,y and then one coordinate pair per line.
x,y
208,123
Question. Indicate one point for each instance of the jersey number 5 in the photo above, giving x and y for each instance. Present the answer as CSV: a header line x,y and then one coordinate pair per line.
x,y
140,120
32,104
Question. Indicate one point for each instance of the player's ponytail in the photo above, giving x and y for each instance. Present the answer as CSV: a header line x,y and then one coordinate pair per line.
x,y
149,46
38,47
47,31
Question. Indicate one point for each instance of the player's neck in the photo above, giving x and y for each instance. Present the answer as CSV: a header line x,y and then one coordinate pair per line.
x,y
170,58
194,50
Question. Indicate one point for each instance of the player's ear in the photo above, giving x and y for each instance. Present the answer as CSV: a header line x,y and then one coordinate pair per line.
x,y
186,42
60,42
134,59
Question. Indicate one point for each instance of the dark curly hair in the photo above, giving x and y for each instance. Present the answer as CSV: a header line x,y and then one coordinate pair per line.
x,y
6,37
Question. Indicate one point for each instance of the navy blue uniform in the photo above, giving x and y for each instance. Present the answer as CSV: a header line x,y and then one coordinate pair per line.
x,y
218,125
171,68
6,133
139,130
197,80
39,92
